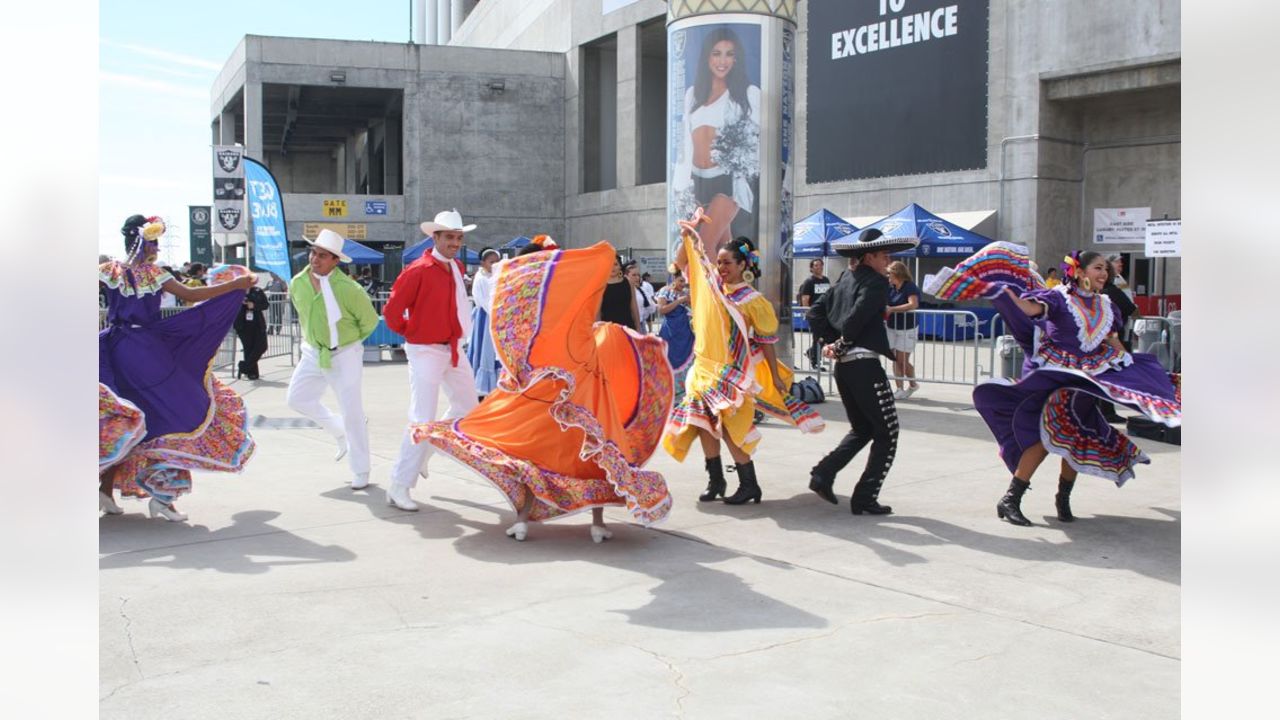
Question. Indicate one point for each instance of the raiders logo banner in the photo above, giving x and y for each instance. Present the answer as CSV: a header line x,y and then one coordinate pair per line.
x,y
230,218
228,189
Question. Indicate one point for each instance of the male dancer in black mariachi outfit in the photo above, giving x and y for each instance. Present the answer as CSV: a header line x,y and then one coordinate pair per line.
x,y
849,320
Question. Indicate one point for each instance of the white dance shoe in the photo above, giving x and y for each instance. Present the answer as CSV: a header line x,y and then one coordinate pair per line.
x,y
108,505
360,482
155,507
398,497
519,531
600,533
342,449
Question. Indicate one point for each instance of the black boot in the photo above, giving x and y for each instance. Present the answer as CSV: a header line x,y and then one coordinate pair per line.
x,y
1063,499
748,488
1010,506
822,487
858,506
716,485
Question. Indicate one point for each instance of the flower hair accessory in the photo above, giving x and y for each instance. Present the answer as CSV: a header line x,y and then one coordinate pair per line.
x,y
1071,266
153,229
545,242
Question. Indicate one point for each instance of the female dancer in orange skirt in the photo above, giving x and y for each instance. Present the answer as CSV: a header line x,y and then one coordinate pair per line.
x,y
580,404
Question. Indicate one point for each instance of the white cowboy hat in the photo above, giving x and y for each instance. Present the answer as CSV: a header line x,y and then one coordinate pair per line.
x,y
332,242
446,220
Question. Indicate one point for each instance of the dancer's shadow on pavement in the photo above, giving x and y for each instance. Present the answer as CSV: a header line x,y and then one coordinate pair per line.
x,y
1147,546
427,521
250,545
690,595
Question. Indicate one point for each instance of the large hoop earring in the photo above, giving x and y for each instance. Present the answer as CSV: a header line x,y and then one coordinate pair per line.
x,y
1086,284
748,276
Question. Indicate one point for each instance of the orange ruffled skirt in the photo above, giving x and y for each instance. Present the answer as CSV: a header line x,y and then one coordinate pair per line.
x,y
580,404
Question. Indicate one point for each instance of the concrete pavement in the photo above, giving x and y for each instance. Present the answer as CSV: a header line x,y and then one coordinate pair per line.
x,y
289,595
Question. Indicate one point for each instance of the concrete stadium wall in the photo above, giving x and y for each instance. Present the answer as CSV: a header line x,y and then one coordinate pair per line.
x,y
497,156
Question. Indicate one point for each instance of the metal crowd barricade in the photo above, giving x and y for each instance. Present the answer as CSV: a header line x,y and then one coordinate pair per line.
x,y
282,327
802,342
947,350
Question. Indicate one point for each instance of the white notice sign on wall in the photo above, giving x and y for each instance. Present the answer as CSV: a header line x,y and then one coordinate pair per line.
x,y
1120,226
1164,238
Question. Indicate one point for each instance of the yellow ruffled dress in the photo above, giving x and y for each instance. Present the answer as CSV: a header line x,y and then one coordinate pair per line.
x,y
729,373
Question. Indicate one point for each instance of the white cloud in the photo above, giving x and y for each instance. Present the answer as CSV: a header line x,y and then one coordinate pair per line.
x,y
175,71
141,182
164,88
165,55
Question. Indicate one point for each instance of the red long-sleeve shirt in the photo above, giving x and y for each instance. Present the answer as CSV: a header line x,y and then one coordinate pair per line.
x,y
423,306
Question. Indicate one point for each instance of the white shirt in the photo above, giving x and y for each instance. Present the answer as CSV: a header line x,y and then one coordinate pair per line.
x,y
646,293
331,309
460,293
482,290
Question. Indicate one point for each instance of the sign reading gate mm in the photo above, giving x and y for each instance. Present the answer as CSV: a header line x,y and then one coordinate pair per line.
x,y
334,207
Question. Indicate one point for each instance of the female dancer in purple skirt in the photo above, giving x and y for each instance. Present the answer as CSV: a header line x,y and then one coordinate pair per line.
x,y
161,412
1073,359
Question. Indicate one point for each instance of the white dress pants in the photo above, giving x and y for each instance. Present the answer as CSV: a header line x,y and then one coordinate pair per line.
x,y
429,372
344,376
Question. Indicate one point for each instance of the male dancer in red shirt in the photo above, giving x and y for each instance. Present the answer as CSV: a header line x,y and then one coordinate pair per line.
x,y
429,307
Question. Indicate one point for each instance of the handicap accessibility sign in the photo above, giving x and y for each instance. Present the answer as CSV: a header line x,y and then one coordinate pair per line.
x,y
375,207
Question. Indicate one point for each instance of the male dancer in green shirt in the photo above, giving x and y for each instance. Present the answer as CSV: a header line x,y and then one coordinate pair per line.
x,y
335,316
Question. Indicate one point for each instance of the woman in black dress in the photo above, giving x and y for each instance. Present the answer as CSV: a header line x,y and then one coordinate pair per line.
x,y
251,328
619,302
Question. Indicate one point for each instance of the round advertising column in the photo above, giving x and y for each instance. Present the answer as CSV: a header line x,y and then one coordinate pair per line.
x,y
730,98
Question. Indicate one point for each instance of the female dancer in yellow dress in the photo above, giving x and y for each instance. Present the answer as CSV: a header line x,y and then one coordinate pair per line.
x,y
735,366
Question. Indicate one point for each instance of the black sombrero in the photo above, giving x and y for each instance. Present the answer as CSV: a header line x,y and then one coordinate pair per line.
x,y
870,240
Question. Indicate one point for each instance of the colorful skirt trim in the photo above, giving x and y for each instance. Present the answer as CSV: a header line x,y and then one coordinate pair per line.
x,y
644,493
160,466
121,426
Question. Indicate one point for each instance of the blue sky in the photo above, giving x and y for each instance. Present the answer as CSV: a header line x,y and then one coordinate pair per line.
x,y
157,62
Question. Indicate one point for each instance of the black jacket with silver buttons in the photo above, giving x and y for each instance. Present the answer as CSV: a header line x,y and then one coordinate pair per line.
x,y
853,310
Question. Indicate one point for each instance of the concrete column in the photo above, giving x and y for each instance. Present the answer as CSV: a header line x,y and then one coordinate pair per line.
x,y
443,32
573,122
429,21
420,28
253,119
628,119
227,127
349,156
393,182
340,168
456,16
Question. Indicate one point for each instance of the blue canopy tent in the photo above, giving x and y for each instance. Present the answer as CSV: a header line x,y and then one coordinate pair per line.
x,y
467,255
359,254
813,235
516,243
938,237
362,254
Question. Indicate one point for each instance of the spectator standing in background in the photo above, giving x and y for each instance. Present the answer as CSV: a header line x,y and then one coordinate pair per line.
x,y
904,297
644,305
815,285
1125,309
